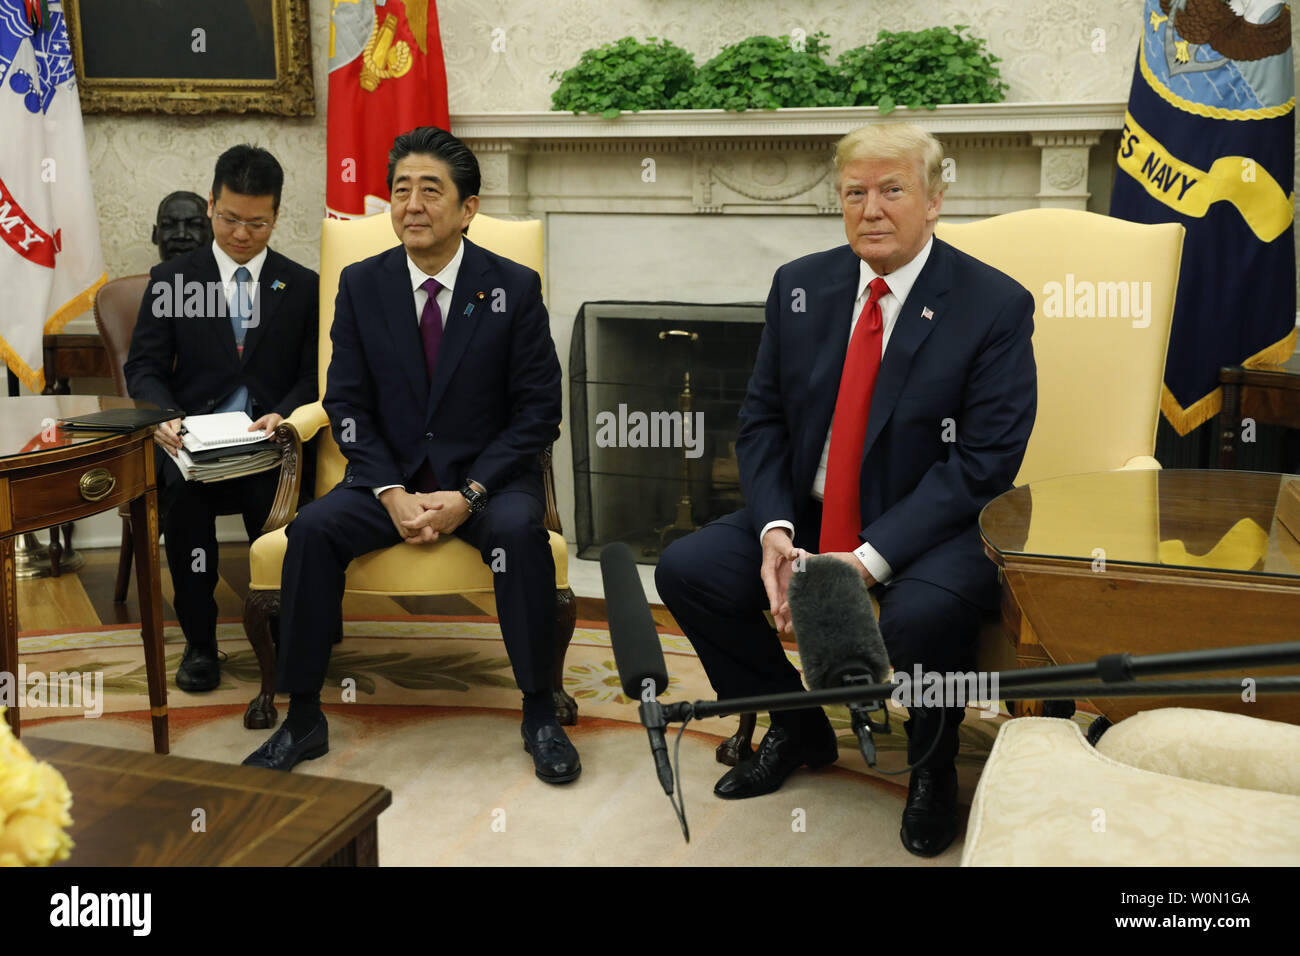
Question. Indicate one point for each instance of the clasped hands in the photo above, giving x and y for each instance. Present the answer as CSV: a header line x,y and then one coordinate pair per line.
x,y
420,517
779,557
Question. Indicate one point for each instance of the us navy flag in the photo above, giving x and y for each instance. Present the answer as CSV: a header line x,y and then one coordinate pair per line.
x,y
1208,141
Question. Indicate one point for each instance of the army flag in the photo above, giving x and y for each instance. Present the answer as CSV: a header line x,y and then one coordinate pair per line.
x,y
50,258
1208,142
386,77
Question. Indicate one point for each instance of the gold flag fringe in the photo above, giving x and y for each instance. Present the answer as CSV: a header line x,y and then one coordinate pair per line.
x,y
1203,409
34,378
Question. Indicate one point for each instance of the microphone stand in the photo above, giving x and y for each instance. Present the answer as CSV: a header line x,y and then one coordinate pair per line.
x,y
1114,675
695,710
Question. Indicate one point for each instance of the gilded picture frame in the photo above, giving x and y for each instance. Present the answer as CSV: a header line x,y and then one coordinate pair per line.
x,y
187,47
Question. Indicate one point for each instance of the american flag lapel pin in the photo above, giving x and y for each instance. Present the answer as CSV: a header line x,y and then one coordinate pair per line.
x,y
927,312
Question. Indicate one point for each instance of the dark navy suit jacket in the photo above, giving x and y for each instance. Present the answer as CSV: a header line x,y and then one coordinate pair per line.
x,y
190,362
971,361
494,402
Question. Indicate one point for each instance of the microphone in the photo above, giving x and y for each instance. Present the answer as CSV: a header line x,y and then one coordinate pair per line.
x,y
637,651
839,638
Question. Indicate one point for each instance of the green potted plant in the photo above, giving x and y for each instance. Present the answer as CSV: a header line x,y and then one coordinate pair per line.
x,y
625,75
764,72
920,69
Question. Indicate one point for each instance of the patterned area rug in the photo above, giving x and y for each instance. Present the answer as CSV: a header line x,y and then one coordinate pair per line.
x,y
427,706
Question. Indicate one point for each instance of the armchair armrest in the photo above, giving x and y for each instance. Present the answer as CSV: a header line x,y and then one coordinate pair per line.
x,y
307,420
1140,463
301,426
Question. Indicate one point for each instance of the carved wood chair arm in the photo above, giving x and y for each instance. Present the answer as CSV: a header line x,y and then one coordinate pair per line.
x,y
548,480
300,427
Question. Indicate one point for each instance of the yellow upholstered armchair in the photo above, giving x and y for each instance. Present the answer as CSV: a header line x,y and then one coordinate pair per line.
x,y
449,565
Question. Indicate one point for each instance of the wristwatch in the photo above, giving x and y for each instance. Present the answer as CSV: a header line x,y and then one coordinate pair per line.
x,y
477,499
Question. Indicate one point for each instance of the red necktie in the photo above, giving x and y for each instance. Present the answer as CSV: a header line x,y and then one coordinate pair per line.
x,y
842,501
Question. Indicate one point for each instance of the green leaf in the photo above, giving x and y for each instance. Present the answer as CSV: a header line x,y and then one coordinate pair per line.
x,y
610,113
886,104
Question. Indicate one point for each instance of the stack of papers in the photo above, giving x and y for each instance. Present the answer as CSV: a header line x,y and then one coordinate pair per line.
x,y
219,447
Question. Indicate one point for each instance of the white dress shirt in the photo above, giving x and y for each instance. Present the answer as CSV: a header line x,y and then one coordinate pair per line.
x,y
227,266
900,283
447,277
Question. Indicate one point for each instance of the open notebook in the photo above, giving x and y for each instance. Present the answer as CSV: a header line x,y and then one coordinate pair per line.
x,y
222,430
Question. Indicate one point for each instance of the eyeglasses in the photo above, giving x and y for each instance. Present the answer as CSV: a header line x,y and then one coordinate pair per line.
x,y
256,226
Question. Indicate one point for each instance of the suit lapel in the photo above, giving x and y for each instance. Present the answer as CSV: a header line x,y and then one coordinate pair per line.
x,y
459,328
398,309
267,301
218,324
832,331
910,330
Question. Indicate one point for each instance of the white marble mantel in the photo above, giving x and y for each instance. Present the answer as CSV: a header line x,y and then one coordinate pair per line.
x,y
828,121
1006,155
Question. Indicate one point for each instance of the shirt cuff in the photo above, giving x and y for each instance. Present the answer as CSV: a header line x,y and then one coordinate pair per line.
x,y
380,491
788,525
876,565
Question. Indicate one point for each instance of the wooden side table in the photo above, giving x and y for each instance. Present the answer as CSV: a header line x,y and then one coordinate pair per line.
x,y
73,356
49,476
1270,394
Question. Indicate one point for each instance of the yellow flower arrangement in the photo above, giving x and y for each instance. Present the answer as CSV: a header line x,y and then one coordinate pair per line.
x,y
34,805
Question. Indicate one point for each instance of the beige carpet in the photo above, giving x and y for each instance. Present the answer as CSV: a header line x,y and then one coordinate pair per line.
x,y
436,720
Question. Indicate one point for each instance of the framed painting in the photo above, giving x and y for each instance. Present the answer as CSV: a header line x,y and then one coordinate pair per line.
x,y
192,56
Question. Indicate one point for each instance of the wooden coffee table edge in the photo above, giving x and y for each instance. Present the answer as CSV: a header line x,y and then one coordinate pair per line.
x,y
373,802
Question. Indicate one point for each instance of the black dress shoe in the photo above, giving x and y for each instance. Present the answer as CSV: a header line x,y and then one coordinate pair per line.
x,y
282,752
554,758
930,818
200,670
781,753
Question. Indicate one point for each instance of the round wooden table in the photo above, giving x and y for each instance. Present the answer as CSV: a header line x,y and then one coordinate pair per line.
x,y
1147,562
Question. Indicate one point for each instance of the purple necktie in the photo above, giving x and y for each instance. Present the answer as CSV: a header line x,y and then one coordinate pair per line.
x,y
431,336
431,325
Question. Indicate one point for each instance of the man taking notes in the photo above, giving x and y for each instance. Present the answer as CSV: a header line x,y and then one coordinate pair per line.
x,y
228,326
442,391
892,398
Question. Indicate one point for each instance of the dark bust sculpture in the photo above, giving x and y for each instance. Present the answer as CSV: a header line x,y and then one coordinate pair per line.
x,y
182,224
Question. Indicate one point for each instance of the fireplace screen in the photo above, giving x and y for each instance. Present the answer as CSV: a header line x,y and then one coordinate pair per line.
x,y
654,391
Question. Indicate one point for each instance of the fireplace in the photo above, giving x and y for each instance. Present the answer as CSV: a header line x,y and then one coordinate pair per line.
x,y
654,393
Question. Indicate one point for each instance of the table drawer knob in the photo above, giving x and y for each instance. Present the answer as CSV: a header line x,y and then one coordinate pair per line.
x,y
96,484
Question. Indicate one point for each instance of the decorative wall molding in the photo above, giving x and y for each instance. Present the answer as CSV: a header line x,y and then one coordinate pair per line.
x,y
1009,156
982,119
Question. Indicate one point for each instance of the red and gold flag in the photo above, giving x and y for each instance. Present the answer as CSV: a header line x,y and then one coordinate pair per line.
x,y
386,77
